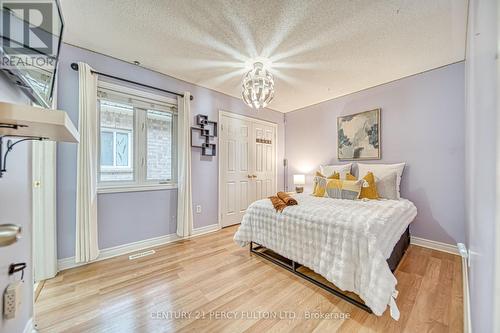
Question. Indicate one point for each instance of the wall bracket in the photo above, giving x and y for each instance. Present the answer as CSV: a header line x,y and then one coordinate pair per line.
x,y
10,146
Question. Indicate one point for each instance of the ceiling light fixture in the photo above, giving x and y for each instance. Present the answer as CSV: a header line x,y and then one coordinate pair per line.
x,y
258,87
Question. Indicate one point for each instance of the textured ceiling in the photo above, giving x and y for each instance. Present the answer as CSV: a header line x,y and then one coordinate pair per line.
x,y
316,50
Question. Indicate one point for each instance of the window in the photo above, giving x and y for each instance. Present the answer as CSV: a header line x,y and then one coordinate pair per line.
x,y
137,139
159,145
116,149
117,128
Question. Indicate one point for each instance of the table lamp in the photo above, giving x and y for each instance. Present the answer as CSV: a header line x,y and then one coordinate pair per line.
x,y
299,182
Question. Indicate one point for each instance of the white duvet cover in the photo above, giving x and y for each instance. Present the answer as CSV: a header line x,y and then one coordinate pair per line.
x,y
346,241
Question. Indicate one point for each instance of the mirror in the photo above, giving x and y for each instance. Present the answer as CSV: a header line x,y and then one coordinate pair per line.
x,y
29,48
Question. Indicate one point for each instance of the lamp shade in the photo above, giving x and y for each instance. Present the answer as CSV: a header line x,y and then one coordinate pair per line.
x,y
258,87
299,179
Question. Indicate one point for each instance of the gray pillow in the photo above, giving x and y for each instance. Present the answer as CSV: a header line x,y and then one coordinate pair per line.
x,y
387,187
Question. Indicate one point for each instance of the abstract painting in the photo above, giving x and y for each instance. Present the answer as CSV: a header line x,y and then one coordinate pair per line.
x,y
359,136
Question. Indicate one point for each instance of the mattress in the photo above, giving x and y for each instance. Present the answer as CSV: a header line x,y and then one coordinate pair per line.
x,y
346,241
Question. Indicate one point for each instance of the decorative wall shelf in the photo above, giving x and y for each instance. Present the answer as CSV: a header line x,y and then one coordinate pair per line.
x,y
32,123
206,131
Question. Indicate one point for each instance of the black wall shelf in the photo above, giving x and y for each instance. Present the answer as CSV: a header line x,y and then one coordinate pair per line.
x,y
206,130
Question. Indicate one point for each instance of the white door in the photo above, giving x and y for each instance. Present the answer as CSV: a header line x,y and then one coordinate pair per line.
x,y
247,165
264,162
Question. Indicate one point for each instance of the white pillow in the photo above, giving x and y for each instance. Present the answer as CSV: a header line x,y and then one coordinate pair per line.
x,y
381,171
328,170
387,187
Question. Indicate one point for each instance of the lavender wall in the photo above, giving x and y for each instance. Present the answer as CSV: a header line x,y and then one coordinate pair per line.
x,y
129,217
147,210
422,125
481,162
15,207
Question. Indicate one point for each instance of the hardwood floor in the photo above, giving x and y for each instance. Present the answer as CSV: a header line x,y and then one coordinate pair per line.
x,y
209,284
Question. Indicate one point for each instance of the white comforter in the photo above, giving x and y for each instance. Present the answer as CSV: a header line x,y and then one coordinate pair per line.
x,y
346,241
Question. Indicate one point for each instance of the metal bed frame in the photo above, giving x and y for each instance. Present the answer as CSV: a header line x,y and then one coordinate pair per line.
x,y
293,267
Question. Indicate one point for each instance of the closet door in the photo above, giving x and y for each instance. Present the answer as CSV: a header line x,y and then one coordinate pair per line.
x,y
235,169
263,161
247,165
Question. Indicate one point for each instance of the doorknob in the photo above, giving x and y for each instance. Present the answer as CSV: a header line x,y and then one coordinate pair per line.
x,y
254,176
249,176
9,234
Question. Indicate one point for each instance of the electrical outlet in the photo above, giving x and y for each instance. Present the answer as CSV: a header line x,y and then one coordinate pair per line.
x,y
198,209
12,300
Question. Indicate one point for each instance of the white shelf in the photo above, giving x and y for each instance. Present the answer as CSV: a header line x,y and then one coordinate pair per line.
x,y
36,122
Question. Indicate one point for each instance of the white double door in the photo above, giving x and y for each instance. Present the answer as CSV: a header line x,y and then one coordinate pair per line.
x,y
247,164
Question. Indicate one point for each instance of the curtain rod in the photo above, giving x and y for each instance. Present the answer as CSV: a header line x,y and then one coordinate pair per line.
x,y
74,66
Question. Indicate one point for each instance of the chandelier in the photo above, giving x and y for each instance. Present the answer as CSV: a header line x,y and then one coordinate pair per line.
x,y
258,87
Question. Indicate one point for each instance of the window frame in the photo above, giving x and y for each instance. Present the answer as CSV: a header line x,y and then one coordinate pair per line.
x,y
173,151
114,167
139,140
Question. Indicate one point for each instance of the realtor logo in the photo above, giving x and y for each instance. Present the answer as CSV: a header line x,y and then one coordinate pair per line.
x,y
28,27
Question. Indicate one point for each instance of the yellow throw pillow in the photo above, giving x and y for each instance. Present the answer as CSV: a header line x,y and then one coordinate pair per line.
x,y
319,186
343,189
317,178
335,175
348,176
369,190
320,182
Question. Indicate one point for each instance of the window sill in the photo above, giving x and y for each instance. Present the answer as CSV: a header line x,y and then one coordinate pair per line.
x,y
135,188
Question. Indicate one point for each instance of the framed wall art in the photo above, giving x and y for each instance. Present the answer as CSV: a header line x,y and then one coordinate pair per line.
x,y
358,136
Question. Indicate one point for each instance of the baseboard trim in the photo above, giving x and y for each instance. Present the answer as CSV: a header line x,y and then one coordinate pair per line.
x,y
28,328
205,230
67,263
439,246
466,294
37,289
465,278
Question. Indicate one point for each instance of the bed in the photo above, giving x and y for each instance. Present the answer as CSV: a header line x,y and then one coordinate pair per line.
x,y
354,244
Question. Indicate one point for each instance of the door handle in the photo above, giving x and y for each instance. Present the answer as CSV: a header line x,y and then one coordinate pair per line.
x,y
249,177
254,176
9,234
